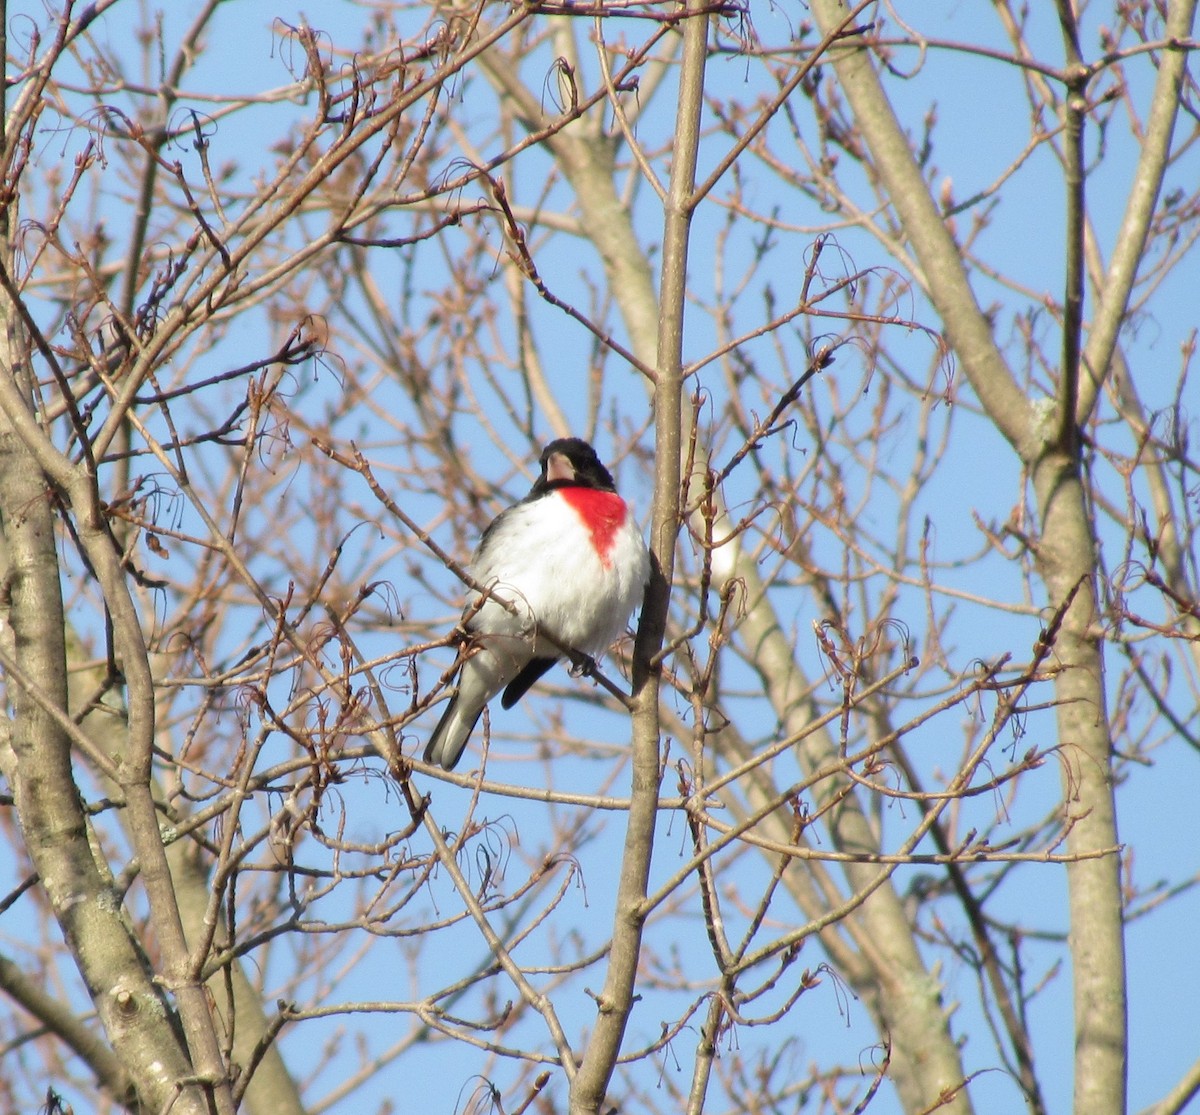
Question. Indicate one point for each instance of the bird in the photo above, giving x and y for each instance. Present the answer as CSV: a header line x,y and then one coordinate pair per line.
x,y
571,561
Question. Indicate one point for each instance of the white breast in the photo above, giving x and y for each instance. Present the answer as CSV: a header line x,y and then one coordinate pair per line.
x,y
540,556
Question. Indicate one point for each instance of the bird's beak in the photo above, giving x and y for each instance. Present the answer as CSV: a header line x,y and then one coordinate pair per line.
x,y
558,467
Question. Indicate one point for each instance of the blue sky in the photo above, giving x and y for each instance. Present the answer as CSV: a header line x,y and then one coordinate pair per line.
x,y
981,125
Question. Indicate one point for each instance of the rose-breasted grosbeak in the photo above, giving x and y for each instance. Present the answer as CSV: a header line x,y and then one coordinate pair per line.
x,y
574,565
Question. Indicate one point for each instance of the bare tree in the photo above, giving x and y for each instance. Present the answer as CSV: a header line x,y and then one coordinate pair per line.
x,y
290,310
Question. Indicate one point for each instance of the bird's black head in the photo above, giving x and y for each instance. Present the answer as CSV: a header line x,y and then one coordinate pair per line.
x,y
571,462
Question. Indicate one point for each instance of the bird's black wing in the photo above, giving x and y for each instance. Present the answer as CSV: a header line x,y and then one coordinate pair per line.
x,y
519,686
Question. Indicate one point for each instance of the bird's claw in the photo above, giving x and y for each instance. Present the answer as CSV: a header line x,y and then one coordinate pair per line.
x,y
582,666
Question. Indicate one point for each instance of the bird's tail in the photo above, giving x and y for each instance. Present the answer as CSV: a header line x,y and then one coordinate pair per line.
x,y
445,746
485,672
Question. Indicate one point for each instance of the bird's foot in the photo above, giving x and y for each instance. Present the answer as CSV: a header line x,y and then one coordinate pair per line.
x,y
582,665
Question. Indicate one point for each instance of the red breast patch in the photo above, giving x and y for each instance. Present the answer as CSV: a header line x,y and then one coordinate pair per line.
x,y
603,513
